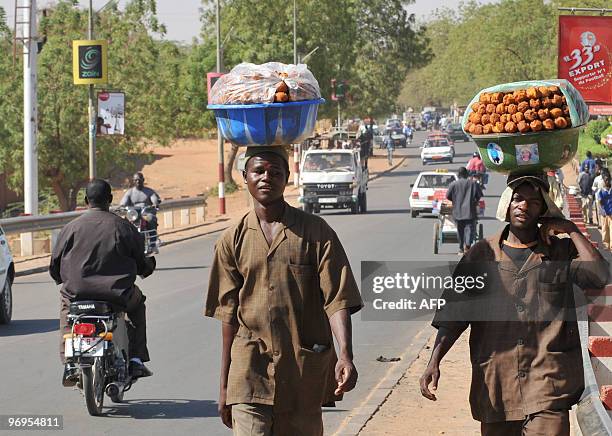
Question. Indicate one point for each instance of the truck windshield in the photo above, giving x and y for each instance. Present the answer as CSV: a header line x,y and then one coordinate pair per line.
x,y
328,162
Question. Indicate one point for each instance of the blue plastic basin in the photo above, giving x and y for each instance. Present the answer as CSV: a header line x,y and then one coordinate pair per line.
x,y
267,123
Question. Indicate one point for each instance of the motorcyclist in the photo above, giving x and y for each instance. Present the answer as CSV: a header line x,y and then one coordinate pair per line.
x,y
141,195
97,257
477,169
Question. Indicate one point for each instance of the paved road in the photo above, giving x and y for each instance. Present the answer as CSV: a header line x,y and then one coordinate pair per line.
x,y
185,347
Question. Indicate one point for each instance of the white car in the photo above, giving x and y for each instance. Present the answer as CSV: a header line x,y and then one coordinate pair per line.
x,y
422,195
436,150
7,275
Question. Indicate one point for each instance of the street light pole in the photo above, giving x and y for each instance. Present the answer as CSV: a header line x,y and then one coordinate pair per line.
x,y
219,136
295,59
92,109
30,149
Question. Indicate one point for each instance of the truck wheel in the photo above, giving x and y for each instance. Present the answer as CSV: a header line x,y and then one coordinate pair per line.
x,y
480,232
307,207
363,203
355,207
436,231
414,213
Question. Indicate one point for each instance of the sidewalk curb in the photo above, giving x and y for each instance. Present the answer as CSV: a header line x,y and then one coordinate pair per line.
x,y
388,170
360,416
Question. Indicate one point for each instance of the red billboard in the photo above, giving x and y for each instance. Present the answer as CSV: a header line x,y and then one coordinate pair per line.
x,y
585,55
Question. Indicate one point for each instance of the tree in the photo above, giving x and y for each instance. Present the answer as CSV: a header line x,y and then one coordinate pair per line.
x,y
477,46
144,67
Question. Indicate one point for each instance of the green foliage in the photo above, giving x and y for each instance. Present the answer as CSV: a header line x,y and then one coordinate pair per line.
x,y
163,85
230,188
478,45
587,143
595,129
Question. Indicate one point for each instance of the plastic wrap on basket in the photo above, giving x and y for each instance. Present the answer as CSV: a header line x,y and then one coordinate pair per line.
x,y
249,83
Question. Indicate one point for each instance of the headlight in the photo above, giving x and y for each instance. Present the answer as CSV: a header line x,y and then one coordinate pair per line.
x,y
132,214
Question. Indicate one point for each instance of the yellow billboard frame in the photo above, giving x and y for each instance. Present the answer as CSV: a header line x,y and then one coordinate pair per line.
x,y
75,61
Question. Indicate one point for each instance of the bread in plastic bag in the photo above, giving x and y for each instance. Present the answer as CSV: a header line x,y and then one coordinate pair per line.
x,y
272,82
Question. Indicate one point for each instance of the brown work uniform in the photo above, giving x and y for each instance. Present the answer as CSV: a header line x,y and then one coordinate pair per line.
x,y
524,342
281,296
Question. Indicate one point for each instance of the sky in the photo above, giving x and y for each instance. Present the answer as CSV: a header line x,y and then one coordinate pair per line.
x,y
181,17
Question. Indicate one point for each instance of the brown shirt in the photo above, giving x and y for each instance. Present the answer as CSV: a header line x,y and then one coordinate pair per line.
x,y
524,342
281,296
97,256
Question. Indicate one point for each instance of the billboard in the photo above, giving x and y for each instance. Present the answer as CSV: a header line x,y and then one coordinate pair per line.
x,y
585,55
111,113
89,62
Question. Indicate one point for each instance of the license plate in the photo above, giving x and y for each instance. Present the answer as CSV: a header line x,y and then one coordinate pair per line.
x,y
438,157
84,344
328,200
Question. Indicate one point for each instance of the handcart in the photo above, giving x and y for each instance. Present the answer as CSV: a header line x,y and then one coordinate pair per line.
x,y
445,228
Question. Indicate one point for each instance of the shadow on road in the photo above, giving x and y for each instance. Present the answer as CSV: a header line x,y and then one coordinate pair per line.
x,y
21,327
163,409
176,268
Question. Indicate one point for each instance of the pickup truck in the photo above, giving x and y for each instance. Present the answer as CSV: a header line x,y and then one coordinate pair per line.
x,y
333,179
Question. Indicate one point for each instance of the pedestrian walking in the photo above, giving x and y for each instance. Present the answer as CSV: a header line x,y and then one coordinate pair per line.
x,y
604,197
588,162
585,182
524,340
390,146
464,194
281,285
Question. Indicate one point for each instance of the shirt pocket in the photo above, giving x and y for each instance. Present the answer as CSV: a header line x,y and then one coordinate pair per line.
x,y
552,301
314,375
305,278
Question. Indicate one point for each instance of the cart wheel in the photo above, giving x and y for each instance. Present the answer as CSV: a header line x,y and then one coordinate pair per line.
x,y
480,232
436,231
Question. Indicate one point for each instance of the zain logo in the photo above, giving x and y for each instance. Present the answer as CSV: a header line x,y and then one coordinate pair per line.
x,y
90,62
91,58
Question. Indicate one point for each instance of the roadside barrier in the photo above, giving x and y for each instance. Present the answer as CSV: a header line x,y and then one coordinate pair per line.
x,y
173,213
594,411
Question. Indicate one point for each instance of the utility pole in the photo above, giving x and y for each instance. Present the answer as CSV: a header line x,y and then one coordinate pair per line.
x,y
92,110
30,149
219,136
295,56
296,147
30,117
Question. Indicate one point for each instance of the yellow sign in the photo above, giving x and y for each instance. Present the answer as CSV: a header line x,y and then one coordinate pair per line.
x,y
90,62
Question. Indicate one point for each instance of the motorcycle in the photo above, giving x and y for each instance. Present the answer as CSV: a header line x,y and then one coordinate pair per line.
x,y
144,218
480,178
98,347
